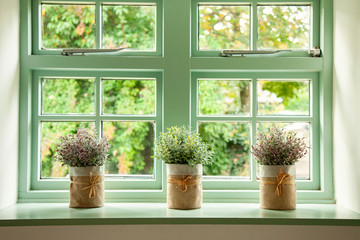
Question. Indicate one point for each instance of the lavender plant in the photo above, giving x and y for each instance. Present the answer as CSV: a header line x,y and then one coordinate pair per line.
x,y
180,145
82,149
277,147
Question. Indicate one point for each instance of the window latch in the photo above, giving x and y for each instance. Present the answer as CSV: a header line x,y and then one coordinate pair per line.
x,y
72,51
231,53
315,52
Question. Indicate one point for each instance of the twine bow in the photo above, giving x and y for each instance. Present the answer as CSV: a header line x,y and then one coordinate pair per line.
x,y
280,179
94,180
184,182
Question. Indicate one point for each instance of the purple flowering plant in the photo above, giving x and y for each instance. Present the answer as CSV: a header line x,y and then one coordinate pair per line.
x,y
82,149
278,147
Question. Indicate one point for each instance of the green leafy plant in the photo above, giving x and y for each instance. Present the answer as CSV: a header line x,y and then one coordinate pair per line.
x,y
180,145
277,147
82,149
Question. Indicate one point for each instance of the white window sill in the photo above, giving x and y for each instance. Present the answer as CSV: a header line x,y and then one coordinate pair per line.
x,y
44,214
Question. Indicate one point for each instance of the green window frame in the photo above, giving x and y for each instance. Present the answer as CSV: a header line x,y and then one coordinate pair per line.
x,y
177,65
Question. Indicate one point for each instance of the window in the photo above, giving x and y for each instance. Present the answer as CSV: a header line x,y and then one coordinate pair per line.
x,y
169,72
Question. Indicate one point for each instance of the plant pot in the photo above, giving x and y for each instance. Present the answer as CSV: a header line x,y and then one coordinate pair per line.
x,y
86,187
184,188
277,187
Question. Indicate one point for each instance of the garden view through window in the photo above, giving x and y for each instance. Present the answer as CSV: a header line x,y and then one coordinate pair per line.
x,y
230,111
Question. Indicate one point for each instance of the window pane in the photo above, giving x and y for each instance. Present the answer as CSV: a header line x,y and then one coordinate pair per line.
x,y
50,136
131,147
126,26
67,26
224,97
230,142
283,27
129,96
283,97
302,130
61,96
224,27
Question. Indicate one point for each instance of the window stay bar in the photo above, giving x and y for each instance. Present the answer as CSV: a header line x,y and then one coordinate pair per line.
x,y
230,53
72,51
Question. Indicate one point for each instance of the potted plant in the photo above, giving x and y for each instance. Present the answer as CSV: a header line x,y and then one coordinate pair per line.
x,y
184,152
277,151
85,155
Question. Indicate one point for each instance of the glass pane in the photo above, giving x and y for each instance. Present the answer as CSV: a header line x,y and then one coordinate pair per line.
x,y
302,130
50,136
67,26
283,97
224,27
126,26
230,142
283,27
61,96
131,147
224,97
129,96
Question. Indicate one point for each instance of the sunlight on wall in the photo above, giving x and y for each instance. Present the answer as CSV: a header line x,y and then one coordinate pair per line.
x,y
9,104
346,99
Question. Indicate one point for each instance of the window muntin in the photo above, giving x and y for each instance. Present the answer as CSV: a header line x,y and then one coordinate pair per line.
x,y
224,27
71,28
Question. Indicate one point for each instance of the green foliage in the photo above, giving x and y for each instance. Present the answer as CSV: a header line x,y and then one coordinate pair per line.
x,y
231,142
224,97
224,27
283,27
180,145
129,26
76,95
68,26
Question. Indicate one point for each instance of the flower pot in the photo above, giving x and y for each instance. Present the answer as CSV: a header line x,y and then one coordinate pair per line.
x,y
277,187
86,187
184,188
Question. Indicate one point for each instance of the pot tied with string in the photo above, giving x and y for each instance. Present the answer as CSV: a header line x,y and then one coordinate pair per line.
x,y
277,151
184,153
85,155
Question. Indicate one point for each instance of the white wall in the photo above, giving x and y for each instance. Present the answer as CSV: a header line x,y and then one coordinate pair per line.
x,y
9,104
346,103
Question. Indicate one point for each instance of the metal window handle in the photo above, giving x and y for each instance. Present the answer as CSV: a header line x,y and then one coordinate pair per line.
x,y
230,53
72,51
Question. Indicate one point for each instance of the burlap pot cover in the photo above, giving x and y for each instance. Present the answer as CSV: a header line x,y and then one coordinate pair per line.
x,y
86,187
184,189
277,187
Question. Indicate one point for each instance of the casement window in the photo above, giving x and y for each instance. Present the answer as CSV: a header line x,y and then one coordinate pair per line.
x,y
167,69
